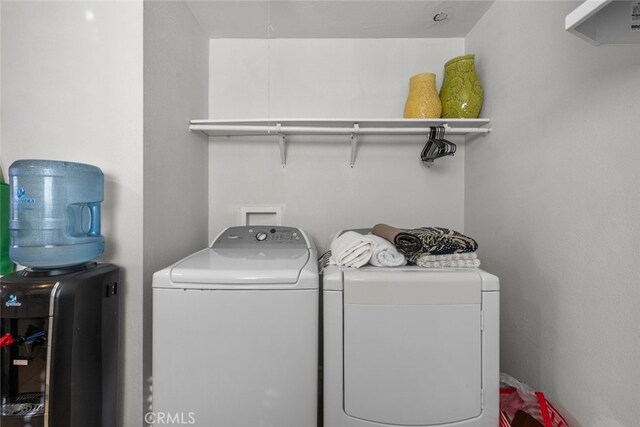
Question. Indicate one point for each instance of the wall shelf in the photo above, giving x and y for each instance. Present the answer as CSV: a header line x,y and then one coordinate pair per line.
x,y
605,22
355,128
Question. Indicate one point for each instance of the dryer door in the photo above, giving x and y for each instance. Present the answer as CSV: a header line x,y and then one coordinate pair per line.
x,y
412,346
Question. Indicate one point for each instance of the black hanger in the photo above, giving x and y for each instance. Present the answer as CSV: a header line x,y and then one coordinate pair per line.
x,y
431,148
436,145
448,147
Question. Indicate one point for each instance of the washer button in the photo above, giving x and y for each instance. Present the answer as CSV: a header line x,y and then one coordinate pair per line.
x,y
261,236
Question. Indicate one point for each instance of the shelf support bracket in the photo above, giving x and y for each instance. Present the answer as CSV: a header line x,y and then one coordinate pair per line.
x,y
354,144
282,142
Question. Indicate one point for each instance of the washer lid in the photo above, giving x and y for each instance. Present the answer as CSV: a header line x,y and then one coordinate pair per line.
x,y
248,266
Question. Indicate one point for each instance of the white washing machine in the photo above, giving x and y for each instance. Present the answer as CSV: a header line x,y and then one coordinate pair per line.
x,y
410,347
235,332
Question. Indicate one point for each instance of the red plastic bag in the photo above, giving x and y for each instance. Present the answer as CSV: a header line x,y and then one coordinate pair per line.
x,y
6,340
516,396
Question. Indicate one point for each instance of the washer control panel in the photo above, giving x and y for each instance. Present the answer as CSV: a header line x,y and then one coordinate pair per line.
x,y
261,236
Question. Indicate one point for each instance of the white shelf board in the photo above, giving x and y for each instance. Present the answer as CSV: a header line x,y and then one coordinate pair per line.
x,y
604,22
276,126
354,128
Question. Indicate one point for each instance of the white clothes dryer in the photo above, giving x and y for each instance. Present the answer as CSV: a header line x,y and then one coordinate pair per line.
x,y
410,346
235,332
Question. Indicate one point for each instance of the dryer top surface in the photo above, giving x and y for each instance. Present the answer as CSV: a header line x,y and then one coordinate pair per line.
x,y
334,277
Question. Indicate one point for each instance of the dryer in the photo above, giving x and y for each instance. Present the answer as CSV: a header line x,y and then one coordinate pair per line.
x,y
410,347
235,332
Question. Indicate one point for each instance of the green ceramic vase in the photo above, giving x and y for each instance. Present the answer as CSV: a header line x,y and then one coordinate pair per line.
x,y
461,93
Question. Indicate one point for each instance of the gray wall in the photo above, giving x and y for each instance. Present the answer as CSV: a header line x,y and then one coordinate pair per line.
x,y
329,78
552,196
175,161
72,79
72,90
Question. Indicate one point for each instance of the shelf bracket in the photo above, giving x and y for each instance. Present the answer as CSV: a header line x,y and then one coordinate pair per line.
x,y
282,142
354,144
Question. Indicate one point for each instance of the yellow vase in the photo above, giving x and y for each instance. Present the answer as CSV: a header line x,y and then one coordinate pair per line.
x,y
423,101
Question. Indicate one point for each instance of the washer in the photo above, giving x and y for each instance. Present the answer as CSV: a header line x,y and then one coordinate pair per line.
x,y
235,332
410,347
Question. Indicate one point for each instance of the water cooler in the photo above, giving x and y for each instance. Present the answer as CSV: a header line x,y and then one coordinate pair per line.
x,y
59,317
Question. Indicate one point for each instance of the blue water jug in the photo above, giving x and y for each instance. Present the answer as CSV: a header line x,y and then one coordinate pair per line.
x,y
55,213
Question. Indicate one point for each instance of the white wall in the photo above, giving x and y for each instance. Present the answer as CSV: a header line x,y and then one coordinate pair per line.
x,y
328,78
176,68
72,90
552,196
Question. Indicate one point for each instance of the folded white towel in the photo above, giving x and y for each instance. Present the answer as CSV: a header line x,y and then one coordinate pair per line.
x,y
463,260
385,253
450,257
351,249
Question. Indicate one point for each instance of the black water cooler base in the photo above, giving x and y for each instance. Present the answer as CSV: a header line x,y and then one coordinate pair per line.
x,y
59,347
